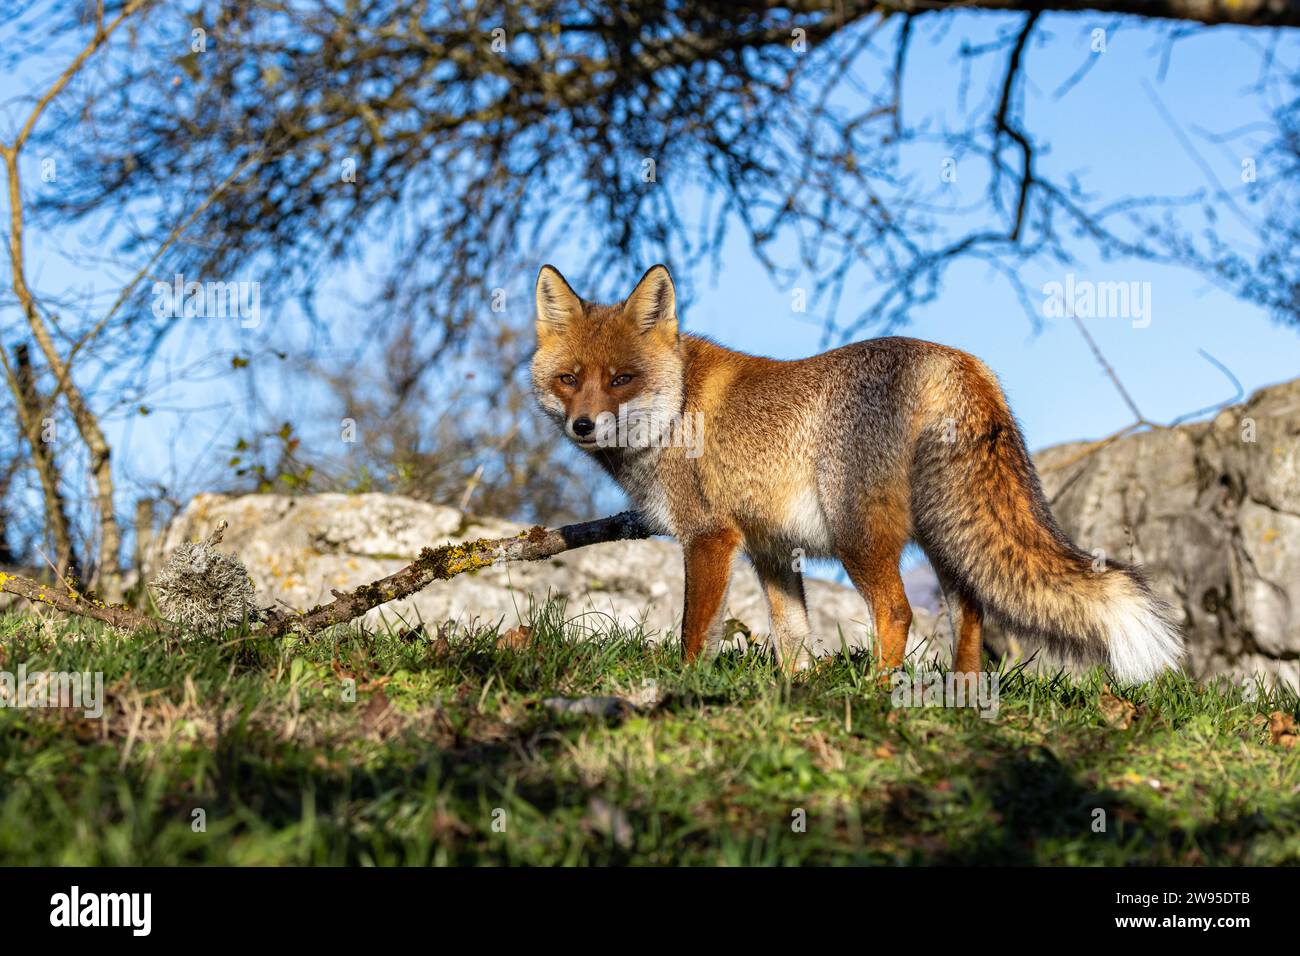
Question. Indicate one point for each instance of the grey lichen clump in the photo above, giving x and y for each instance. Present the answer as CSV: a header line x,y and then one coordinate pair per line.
x,y
204,590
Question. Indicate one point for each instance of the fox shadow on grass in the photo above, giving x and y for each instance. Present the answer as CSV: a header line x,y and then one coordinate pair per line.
x,y
1036,799
1039,806
1040,803
1043,809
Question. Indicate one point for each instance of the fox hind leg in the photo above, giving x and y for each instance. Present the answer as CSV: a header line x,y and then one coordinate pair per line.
x,y
970,631
791,635
967,616
872,565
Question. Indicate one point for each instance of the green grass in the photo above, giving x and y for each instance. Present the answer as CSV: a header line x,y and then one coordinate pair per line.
x,y
448,756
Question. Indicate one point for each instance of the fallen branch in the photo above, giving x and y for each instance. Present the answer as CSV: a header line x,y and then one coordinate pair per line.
x,y
439,564
67,599
433,564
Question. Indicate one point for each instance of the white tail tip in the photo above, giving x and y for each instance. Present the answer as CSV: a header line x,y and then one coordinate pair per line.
x,y
1142,639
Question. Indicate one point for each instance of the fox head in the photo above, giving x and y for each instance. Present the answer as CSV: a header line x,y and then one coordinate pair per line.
x,y
602,369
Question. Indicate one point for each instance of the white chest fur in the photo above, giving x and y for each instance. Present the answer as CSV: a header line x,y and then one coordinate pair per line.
x,y
641,479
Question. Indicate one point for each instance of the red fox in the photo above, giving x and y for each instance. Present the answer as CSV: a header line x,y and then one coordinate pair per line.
x,y
849,454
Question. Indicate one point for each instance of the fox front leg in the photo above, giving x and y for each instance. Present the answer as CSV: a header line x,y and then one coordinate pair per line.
x,y
708,560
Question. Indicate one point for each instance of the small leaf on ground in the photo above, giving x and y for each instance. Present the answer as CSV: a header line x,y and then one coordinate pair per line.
x,y
1116,711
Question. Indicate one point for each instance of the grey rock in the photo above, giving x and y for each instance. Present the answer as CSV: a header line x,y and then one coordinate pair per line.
x,y
589,706
1211,510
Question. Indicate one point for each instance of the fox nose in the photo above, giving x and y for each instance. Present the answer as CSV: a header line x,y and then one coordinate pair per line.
x,y
584,426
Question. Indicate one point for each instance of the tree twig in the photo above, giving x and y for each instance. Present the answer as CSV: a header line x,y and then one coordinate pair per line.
x,y
1002,124
1140,420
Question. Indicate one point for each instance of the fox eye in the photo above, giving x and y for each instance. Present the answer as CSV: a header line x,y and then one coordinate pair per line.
x,y
568,379
620,380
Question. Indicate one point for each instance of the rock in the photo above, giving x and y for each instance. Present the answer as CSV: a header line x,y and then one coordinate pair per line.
x,y
604,706
298,548
1211,510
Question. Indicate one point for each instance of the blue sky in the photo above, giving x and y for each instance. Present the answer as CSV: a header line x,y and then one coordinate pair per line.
x,y
1107,129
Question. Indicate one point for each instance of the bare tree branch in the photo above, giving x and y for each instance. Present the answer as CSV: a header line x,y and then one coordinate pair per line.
x,y
109,571
1258,13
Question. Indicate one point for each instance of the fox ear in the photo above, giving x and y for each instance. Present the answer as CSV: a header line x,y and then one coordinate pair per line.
x,y
557,303
653,303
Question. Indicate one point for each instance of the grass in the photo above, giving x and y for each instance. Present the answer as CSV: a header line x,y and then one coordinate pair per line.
x,y
248,751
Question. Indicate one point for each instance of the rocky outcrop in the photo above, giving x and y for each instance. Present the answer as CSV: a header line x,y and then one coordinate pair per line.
x,y
1212,511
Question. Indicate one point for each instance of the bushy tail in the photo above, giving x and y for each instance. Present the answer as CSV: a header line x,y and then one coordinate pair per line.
x,y
980,515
